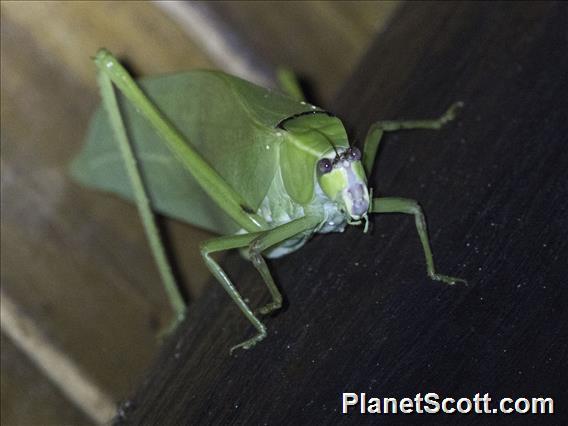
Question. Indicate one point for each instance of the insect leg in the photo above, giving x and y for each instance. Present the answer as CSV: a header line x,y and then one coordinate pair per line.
x,y
261,266
227,243
376,131
269,239
142,200
257,242
408,206
208,178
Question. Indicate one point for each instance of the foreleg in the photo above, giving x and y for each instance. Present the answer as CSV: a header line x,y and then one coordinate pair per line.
x,y
375,133
407,206
257,242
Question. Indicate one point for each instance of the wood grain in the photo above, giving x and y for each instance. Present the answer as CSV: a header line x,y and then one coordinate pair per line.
x,y
77,261
321,41
37,398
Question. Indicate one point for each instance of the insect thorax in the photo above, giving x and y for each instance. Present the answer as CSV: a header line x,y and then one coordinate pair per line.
x,y
278,208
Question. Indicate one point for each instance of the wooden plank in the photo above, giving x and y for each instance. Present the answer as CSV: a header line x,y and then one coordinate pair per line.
x,y
73,31
361,315
58,367
320,40
28,397
76,261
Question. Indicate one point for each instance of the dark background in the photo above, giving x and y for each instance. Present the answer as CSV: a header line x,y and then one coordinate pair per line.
x,y
361,315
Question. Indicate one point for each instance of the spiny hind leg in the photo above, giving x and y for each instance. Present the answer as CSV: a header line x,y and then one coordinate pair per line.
x,y
141,197
375,133
407,206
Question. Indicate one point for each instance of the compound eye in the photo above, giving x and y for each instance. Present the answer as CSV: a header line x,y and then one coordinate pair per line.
x,y
325,165
353,154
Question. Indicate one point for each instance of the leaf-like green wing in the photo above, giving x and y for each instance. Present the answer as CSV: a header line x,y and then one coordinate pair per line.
x,y
229,121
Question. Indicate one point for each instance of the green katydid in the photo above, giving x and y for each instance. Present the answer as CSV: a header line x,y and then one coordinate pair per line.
x,y
265,170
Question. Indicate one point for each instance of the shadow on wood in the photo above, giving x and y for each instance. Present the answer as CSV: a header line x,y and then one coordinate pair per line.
x,y
362,315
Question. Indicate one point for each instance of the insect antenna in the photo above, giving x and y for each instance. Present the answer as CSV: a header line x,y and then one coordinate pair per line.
x,y
336,159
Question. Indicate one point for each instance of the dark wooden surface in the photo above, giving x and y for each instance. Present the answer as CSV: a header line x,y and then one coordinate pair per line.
x,y
361,315
332,36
